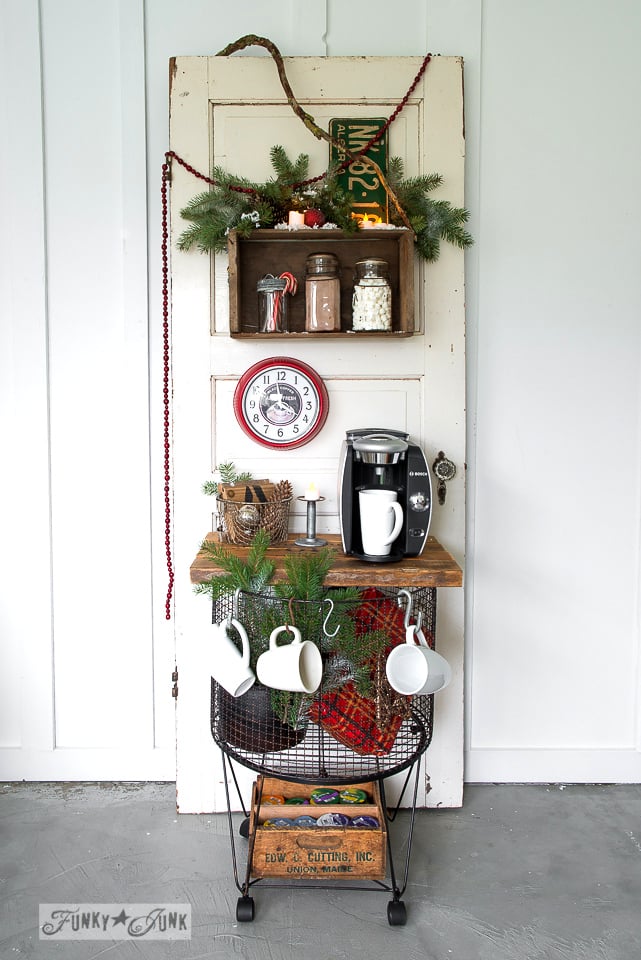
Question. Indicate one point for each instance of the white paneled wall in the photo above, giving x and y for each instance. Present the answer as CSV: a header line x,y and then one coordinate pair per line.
x,y
553,96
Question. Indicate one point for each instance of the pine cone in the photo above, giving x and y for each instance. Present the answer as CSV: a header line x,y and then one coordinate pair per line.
x,y
275,513
282,491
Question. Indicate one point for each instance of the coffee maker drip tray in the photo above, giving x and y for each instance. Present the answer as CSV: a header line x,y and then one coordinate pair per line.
x,y
373,558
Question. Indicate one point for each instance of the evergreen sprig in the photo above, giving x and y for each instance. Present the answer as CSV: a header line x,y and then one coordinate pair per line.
x,y
251,575
431,220
223,208
306,573
228,474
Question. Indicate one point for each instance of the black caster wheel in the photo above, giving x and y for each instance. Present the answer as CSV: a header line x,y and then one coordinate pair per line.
x,y
244,829
245,909
396,913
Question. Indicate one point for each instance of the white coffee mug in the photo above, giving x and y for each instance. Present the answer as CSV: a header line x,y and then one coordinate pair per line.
x,y
229,667
414,669
381,520
296,666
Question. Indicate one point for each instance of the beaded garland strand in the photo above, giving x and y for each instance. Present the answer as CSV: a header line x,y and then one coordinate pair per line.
x,y
166,178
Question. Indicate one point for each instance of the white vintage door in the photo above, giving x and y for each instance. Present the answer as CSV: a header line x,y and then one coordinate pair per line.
x,y
230,112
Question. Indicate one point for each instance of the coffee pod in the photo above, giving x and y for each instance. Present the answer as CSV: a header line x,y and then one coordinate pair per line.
x,y
305,821
324,795
273,800
333,820
363,821
352,795
297,800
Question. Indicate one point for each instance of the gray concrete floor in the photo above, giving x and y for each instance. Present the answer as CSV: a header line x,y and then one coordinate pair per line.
x,y
519,873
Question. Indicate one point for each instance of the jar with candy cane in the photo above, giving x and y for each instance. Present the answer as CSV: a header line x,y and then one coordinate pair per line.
x,y
273,301
372,296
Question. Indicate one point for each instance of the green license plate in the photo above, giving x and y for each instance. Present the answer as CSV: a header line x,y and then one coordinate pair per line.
x,y
360,177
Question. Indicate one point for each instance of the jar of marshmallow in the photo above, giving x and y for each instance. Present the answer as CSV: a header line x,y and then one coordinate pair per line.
x,y
372,296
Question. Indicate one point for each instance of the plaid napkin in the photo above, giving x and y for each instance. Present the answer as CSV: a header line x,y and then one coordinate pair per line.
x,y
365,725
351,719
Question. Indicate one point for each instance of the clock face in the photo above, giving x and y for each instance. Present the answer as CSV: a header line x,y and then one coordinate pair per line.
x,y
281,402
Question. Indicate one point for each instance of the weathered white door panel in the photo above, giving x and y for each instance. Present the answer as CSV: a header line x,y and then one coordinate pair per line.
x,y
230,112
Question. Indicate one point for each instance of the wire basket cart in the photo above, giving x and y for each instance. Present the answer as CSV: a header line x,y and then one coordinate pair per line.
x,y
333,743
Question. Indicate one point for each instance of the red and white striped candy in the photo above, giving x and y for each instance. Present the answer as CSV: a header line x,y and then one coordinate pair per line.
x,y
291,284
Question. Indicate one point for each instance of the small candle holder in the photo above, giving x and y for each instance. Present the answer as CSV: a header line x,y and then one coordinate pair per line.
x,y
311,540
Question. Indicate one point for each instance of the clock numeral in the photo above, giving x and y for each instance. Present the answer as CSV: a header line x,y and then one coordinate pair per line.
x,y
282,374
305,391
295,428
279,432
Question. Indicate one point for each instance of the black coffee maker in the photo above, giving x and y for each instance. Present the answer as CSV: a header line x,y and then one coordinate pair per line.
x,y
380,458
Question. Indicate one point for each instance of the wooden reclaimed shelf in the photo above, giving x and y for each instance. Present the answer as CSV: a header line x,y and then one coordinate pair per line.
x,y
276,251
434,568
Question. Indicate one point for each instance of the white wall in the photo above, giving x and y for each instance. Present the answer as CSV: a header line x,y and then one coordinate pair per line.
x,y
553,96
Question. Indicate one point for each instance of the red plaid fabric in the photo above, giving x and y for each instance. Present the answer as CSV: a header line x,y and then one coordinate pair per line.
x,y
380,613
351,719
346,715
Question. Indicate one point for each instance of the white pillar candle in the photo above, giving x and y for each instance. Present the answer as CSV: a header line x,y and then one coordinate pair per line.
x,y
312,492
296,219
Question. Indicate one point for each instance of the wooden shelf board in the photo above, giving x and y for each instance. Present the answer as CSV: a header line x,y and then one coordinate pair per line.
x,y
434,568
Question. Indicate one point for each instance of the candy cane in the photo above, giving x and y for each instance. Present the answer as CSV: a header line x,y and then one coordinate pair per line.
x,y
291,286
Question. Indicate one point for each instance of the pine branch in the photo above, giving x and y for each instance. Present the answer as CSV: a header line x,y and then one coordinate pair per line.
x,y
306,573
251,575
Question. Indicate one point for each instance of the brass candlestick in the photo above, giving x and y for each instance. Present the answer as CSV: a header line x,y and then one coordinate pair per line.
x,y
311,540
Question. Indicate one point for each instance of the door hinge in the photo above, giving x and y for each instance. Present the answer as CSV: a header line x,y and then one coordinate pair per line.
x,y
174,689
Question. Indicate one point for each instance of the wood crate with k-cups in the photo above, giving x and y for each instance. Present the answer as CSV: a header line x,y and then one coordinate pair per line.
x,y
307,832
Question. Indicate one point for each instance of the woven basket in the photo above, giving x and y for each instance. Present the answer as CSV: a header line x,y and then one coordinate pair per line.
x,y
240,522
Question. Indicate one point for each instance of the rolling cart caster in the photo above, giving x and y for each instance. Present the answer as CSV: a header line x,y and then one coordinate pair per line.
x,y
396,913
245,909
244,829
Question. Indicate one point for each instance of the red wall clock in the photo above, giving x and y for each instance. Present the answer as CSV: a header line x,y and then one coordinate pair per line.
x,y
281,402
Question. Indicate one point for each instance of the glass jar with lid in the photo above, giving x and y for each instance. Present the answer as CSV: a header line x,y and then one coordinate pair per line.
x,y
372,296
322,293
272,304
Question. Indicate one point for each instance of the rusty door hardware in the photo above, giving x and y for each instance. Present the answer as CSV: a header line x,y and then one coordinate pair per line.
x,y
443,470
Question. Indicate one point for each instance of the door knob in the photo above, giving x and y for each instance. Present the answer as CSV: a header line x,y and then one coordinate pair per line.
x,y
444,470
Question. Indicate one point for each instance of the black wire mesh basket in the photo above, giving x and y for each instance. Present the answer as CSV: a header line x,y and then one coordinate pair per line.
x,y
354,727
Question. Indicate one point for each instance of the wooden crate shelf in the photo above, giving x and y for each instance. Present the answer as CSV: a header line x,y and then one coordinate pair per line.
x,y
319,853
276,251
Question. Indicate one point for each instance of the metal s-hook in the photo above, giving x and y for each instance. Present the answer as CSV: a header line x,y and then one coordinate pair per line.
x,y
234,606
408,608
408,611
329,613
